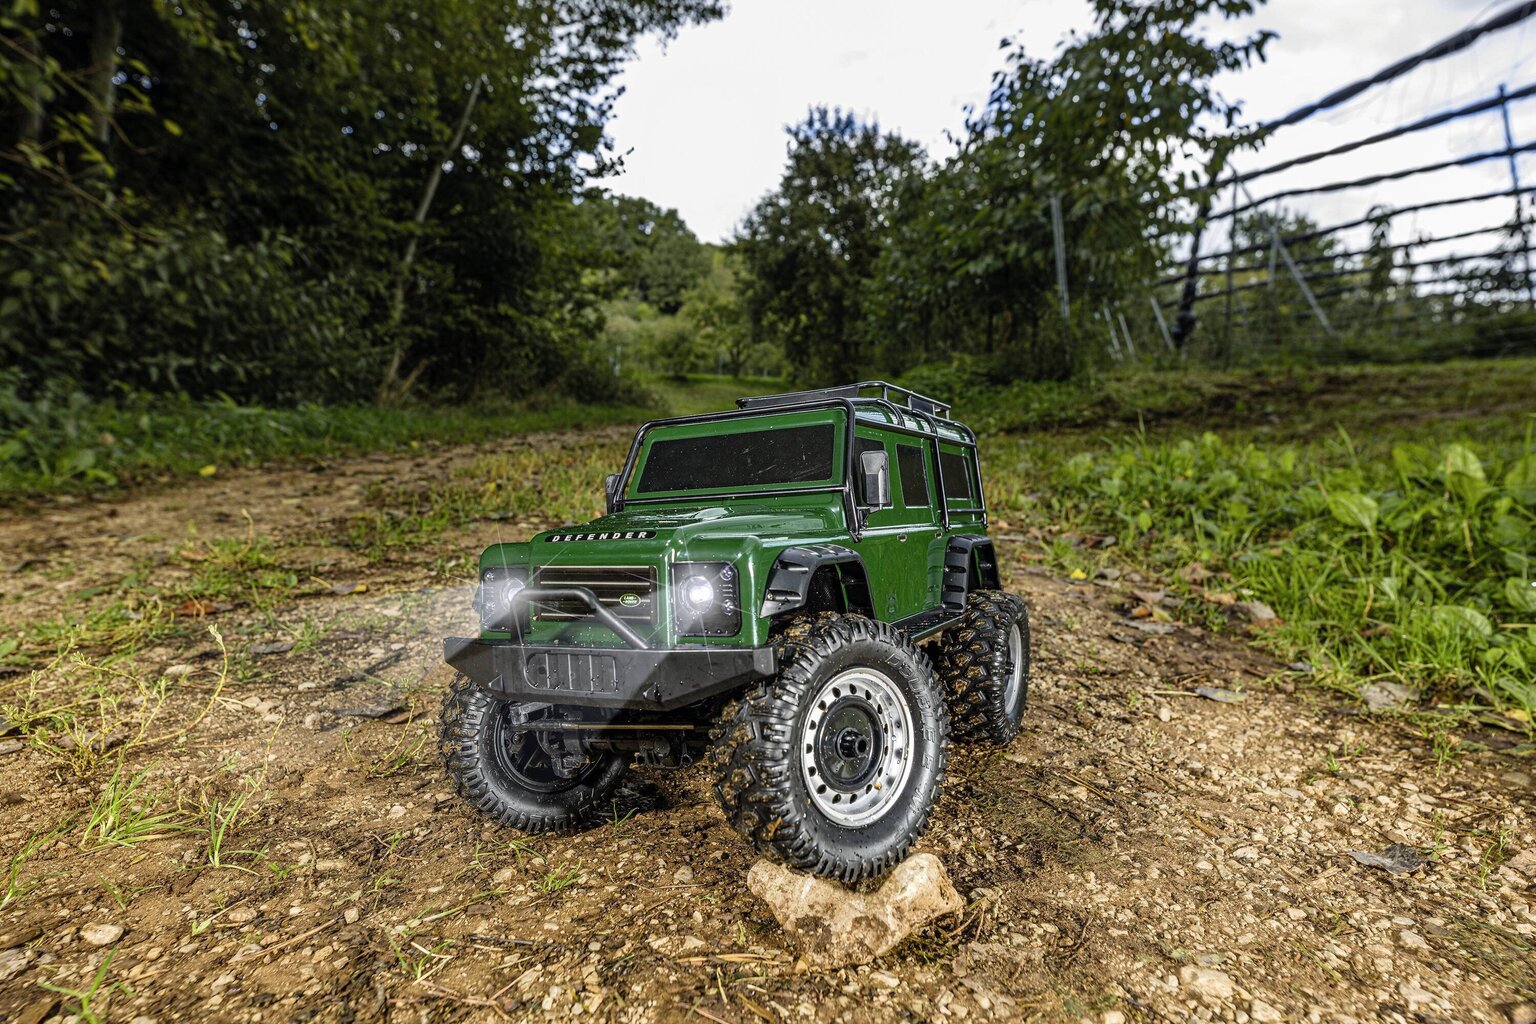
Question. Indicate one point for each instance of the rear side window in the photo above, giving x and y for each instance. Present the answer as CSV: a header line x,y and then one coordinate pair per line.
x,y
957,476
914,475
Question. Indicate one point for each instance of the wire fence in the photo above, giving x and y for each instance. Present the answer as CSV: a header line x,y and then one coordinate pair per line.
x,y
1254,275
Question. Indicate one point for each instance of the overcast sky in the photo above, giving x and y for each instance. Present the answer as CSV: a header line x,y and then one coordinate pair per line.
x,y
702,121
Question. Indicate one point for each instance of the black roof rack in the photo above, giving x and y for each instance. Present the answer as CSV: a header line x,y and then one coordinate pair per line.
x,y
920,404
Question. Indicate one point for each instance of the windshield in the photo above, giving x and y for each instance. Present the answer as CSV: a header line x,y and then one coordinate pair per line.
x,y
744,459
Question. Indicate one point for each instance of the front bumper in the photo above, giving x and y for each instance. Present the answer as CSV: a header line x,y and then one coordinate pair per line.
x,y
606,677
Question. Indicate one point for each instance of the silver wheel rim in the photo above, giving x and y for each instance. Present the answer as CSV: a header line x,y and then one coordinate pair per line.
x,y
848,787
1013,693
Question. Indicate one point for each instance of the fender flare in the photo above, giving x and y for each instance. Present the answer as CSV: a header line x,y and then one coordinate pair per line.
x,y
789,581
968,557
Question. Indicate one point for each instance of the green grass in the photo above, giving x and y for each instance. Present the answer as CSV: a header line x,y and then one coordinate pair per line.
x,y
1285,402
85,1003
129,811
58,446
708,392
1406,553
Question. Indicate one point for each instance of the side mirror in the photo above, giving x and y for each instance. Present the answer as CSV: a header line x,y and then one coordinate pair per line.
x,y
611,484
876,467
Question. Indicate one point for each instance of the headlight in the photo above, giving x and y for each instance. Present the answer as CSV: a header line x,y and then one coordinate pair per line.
x,y
697,593
493,599
706,599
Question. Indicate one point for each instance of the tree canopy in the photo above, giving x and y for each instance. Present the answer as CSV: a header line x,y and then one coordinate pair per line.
x,y
287,201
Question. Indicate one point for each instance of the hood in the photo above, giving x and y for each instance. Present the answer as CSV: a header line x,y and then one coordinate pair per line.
x,y
679,527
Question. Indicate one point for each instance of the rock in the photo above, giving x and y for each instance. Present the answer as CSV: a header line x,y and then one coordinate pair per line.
x,y
11,747
13,962
20,936
39,1011
1416,997
1523,862
350,915
101,934
1220,694
683,875
1521,1013
1397,858
1205,984
1263,1013
1257,612
837,928
1385,696
1164,714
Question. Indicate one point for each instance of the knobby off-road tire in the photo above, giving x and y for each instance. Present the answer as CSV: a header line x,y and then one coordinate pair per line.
x,y
984,666
841,678
507,777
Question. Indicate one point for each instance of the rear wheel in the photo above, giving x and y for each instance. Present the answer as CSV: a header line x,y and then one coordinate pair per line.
x,y
504,769
833,765
984,666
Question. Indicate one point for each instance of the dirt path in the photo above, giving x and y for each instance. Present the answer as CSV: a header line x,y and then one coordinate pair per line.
x,y
1137,854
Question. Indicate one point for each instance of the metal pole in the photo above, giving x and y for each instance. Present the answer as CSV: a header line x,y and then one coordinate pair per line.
x,y
1061,254
1226,334
1162,325
1126,331
1114,342
1514,177
1301,282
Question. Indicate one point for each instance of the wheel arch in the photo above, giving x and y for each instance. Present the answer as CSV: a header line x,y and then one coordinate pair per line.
x,y
792,579
970,564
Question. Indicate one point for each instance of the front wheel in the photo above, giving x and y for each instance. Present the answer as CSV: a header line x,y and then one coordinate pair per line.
x,y
833,765
506,773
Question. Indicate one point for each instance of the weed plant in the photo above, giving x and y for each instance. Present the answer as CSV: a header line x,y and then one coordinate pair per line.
x,y
1404,562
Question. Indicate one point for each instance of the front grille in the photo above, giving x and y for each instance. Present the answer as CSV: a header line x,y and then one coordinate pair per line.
x,y
611,583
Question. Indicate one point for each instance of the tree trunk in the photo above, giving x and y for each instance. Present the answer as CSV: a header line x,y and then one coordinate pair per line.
x,y
106,36
30,128
392,388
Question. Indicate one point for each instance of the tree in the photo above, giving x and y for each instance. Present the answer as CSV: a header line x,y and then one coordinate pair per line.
x,y
811,245
1112,126
411,168
716,311
652,254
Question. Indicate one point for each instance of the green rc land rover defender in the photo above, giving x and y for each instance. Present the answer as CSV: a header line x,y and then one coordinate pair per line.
x,y
757,591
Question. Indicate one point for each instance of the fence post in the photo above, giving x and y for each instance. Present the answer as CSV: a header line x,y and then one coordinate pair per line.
x,y
1114,342
1162,325
1061,255
1226,336
1514,177
1125,331
1290,264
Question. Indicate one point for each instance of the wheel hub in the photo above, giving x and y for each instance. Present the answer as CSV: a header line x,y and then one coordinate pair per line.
x,y
856,748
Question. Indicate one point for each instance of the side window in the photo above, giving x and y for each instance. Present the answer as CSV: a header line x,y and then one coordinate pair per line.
x,y
957,477
913,470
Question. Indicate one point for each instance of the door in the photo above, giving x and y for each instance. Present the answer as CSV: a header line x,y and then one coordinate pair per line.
x,y
897,540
